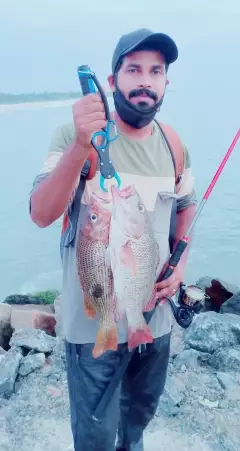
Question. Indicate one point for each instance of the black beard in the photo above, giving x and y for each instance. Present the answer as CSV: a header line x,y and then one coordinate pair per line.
x,y
137,116
142,106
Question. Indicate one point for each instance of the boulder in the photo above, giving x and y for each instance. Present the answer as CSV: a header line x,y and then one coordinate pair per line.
x,y
211,331
218,292
170,401
5,325
203,385
230,384
189,359
2,353
226,359
31,363
27,317
232,305
8,372
33,339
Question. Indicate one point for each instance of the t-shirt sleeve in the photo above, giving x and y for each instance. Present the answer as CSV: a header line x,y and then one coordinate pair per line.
x,y
186,189
61,140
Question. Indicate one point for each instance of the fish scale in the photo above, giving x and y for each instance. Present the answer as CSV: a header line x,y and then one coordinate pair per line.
x,y
94,272
139,287
96,277
134,254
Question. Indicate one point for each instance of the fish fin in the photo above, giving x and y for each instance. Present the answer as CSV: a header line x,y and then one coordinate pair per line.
x,y
111,258
127,257
140,335
88,307
150,304
107,340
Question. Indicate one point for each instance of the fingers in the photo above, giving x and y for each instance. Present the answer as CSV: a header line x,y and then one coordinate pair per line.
x,y
165,283
93,117
169,290
165,292
88,107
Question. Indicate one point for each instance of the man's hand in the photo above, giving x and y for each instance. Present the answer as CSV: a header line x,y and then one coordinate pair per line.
x,y
89,118
171,285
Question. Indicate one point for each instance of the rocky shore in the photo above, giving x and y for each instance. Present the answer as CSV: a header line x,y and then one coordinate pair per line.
x,y
199,409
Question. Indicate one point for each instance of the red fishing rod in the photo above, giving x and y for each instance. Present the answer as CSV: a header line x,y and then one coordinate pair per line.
x,y
182,244
182,313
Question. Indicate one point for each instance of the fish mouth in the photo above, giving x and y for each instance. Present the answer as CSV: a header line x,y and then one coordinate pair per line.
x,y
123,193
100,197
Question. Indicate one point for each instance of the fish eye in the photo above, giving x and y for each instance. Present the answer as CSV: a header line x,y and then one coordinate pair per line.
x,y
93,217
141,208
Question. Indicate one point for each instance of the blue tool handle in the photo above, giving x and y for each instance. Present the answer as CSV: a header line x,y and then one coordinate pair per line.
x,y
86,81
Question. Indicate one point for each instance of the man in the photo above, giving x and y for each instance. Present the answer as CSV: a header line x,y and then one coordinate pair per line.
x,y
141,156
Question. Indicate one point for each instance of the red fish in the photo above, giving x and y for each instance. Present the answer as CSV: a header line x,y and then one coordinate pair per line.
x,y
95,274
134,255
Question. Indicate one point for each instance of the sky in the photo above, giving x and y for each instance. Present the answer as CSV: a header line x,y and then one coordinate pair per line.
x,y
43,41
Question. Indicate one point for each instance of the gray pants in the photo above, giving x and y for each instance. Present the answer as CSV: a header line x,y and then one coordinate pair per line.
x,y
133,404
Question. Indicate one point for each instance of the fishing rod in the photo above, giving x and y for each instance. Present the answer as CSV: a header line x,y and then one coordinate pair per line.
x,y
180,309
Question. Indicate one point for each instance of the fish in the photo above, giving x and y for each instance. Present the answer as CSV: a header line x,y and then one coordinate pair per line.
x,y
134,255
95,275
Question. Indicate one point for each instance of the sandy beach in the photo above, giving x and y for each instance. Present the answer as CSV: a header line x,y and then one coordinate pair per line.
x,y
35,105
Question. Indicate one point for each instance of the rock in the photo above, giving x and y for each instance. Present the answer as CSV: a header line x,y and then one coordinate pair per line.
x,y
8,372
28,318
218,291
210,331
33,339
171,398
58,356
47,308
54,391
204,282
20,299
226,359
31,363
203,385
232,305
224,404
230,384
190,358
206,403
5,325
2,351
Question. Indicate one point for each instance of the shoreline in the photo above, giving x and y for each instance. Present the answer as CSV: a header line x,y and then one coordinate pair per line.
x,y
5,108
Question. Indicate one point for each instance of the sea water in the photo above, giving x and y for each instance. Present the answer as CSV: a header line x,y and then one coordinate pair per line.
x,y
30,257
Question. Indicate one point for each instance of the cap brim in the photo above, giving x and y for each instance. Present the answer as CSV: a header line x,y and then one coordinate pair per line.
x,y
160,42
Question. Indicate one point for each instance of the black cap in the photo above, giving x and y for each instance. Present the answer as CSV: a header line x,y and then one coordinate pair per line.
x,y
157,41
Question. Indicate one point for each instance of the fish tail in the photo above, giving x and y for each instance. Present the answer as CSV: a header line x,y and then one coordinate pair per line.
x,y
139,335
107,340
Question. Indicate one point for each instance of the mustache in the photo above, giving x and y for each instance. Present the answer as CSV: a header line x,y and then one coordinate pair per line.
x,y
139,92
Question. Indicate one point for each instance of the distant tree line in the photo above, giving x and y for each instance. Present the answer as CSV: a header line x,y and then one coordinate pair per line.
x,y
8,98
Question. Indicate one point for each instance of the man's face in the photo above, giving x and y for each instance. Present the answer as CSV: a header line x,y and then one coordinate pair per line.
x,y
142,78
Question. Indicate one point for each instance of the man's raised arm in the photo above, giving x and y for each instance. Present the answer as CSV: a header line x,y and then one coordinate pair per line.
x,y
63,165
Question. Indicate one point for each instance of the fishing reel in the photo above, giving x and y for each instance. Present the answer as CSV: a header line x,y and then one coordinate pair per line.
x,y
190,302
